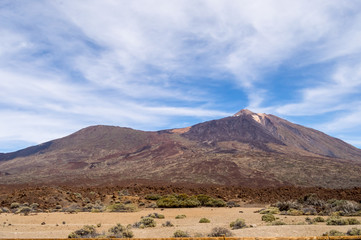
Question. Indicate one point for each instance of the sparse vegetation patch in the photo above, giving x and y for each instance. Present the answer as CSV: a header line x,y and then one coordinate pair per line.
x,y
120,207
220,232
350,232
312,205
342,221
119,231
204,220
180,234
185,201
268,217
87,231
239,223
156,215
145,223
167,224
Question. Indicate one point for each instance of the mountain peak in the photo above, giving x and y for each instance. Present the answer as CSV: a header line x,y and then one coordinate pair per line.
x,y
258,117
244,112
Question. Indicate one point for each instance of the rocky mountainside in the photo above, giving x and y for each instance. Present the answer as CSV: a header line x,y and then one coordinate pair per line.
x,y
246,149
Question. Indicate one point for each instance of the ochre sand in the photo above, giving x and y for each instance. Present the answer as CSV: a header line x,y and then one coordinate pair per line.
x,y
30,226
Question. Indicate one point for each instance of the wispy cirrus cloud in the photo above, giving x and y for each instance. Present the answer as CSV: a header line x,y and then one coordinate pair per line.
x,y
340,92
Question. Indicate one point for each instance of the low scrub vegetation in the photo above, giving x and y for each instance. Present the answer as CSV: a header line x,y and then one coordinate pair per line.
x,y
180,234
342,221
204,220
231,204
120,207
318,219
168,224
270,210
156,215
185,201
239,223
21,208
152,196
87,231
277,223
333,232
220,232
146,222
350,232
268,217
312,205
119,231
182,216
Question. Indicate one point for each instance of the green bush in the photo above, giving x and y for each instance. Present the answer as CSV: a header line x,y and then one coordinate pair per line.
x,y
220,232
268,217
353,221
85,232
190,202
120,207
180,234
204,220
145,223
239,223
294,212
341,221
152,196
169,201
167,224
156,215
333,233
183,200
354,232
318,219
24,210
14,205
202,198
277,223
34,206
180,216
119,231
215,203
336,221
271,210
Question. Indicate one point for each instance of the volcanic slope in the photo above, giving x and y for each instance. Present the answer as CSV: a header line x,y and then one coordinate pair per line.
x,y
246,149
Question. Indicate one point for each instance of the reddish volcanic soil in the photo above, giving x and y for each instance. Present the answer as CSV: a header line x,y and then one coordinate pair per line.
x,y
49,197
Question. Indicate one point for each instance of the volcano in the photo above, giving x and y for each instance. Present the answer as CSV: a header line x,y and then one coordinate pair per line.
x,y
247,149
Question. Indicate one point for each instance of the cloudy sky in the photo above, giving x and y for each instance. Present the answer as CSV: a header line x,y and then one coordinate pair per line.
x,y
152,65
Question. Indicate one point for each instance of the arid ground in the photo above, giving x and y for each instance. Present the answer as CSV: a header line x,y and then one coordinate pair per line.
x,y
59,224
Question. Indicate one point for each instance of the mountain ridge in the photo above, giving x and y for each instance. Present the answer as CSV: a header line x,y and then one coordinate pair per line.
x,y
246,149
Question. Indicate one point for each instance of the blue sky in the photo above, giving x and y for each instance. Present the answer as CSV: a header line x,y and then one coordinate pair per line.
x,y
152,65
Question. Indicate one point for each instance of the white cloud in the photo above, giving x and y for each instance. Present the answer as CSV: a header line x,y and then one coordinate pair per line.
x,y
135,63
338,93
345,121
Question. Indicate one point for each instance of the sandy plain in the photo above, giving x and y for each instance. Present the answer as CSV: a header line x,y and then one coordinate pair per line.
x,y
59,225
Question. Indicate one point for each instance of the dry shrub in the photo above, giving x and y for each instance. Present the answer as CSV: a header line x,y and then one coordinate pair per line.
x,y
180,234
220,232
239,223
